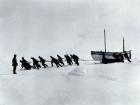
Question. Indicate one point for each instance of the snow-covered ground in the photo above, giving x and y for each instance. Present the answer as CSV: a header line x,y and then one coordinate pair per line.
x,y
88,84
31,28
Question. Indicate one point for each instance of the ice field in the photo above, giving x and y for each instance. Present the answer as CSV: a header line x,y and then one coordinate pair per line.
x,y
88,84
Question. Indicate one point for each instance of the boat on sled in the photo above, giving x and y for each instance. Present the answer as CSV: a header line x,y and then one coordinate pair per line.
x,y
111,57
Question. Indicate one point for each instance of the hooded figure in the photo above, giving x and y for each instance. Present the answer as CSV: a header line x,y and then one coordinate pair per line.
x,y
42,60
35,63
60,59
14,63
75,59
25,64
126,56
55,61
68,59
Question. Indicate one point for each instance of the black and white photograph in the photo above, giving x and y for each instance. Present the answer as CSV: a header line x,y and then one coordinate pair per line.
x,y
69,52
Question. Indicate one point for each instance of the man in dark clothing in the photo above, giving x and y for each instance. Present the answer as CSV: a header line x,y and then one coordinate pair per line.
x,y
127,57
75,59
55,61
14,63
68,59
60,59
42,60
35,63
25,64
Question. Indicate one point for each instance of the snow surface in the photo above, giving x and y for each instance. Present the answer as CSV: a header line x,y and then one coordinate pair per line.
x,y
87,84
50,27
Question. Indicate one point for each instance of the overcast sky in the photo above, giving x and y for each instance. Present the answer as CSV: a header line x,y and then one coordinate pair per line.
x,y
48,27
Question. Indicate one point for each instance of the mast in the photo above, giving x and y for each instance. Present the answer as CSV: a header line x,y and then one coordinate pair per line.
x,y
104,40
123,44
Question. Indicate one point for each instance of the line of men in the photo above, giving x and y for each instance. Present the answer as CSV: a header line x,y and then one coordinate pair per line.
x,y
36,63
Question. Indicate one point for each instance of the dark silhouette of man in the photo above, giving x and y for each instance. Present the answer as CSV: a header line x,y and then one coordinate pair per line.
x,y
75,59
60,59
35,63
14,63
126,56
68,59
25,64
55,61
42,60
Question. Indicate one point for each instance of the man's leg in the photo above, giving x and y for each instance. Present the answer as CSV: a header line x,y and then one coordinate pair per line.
x,y
14,69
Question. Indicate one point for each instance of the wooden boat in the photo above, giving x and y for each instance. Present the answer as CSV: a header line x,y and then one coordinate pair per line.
x,y
111,57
